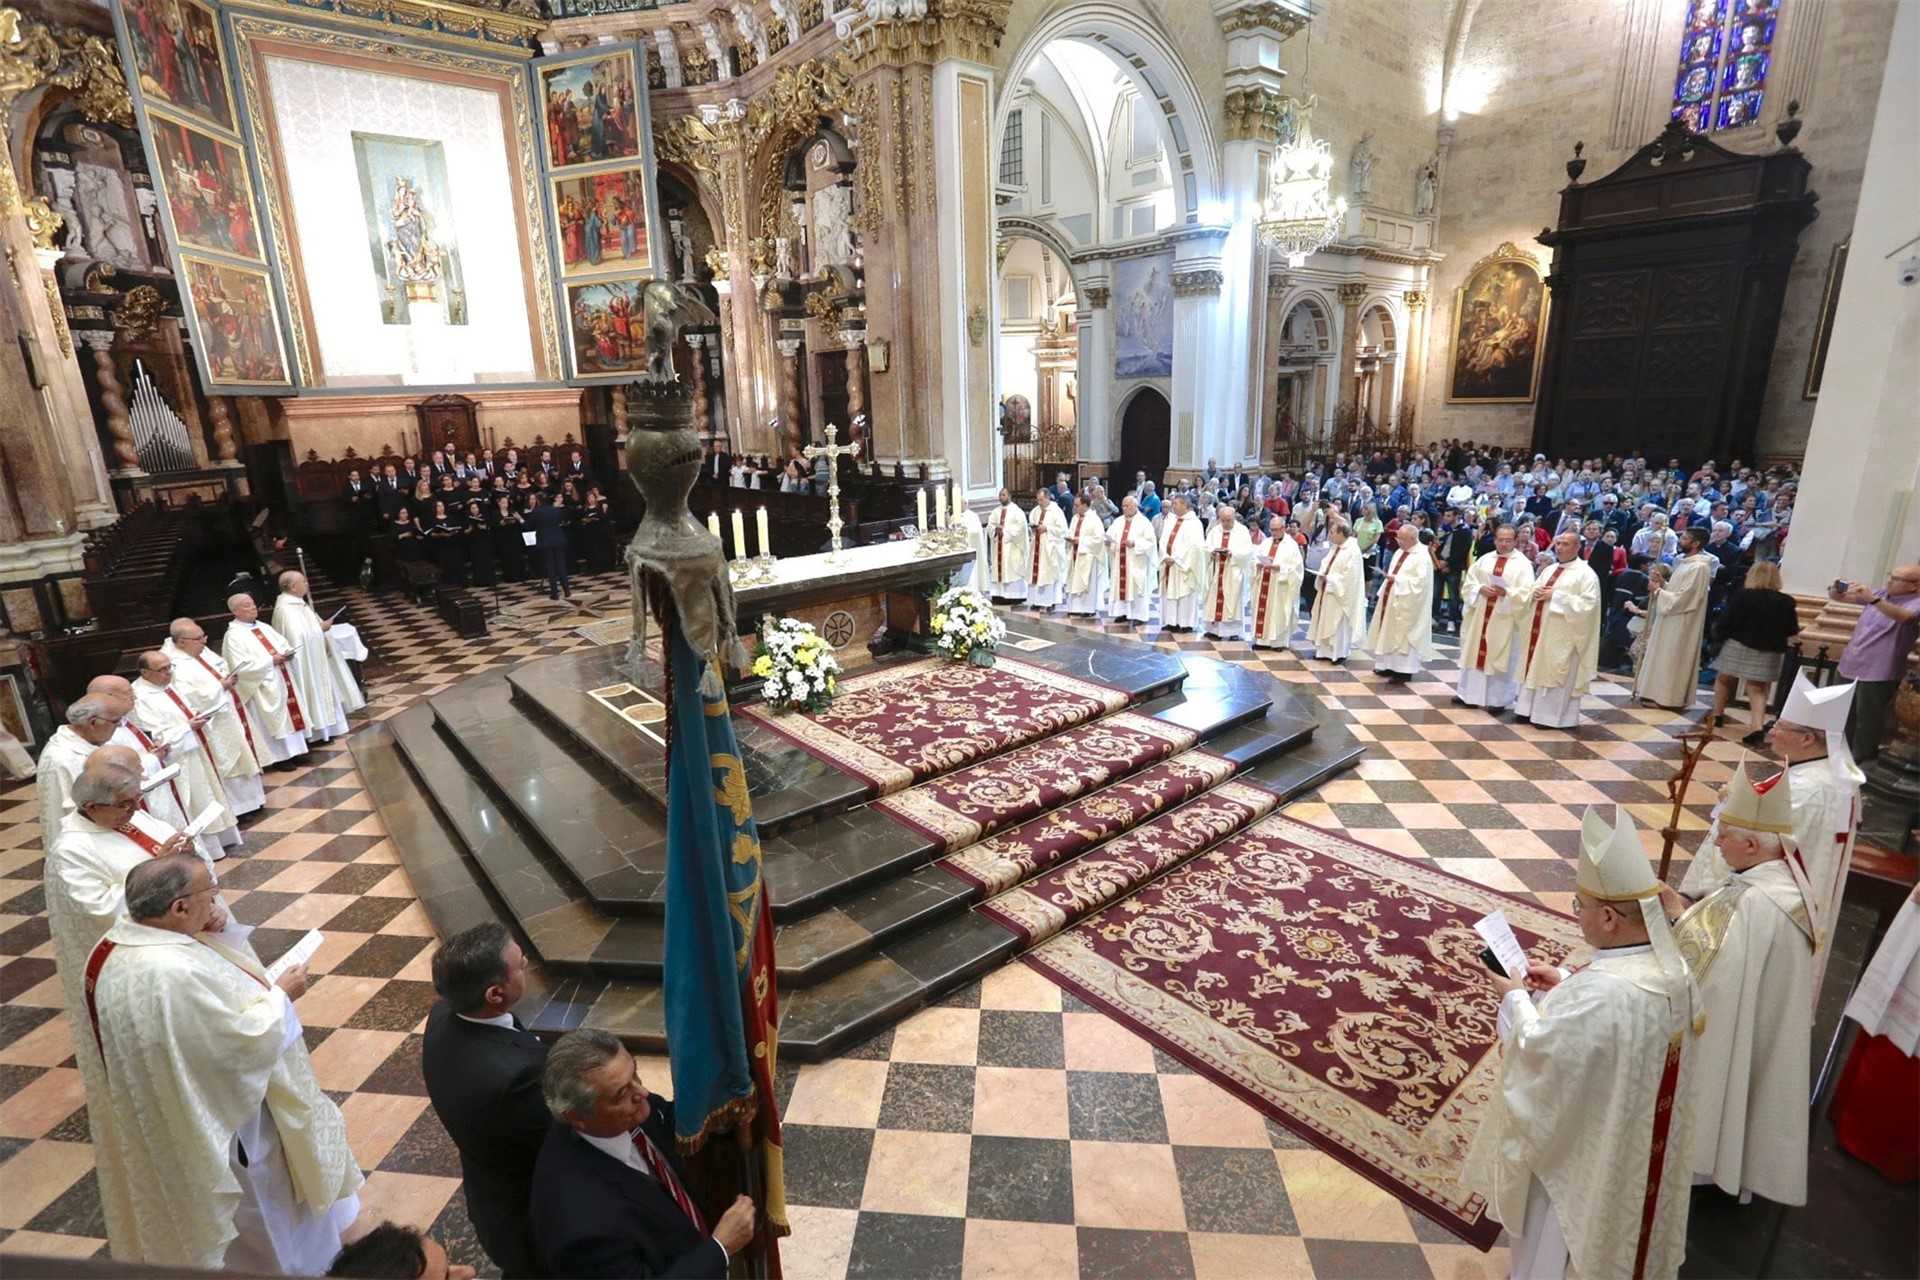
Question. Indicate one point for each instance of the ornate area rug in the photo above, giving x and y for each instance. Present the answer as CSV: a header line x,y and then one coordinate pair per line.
x,y
1335,986
956,809
1005,860
900,724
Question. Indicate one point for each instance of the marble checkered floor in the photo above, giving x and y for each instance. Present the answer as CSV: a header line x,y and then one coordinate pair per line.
x,y
1009,1130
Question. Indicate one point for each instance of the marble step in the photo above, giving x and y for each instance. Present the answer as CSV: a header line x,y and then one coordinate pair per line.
x,y
562,927
612,841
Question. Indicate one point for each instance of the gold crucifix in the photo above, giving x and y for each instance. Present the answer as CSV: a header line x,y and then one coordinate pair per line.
x,y
832,453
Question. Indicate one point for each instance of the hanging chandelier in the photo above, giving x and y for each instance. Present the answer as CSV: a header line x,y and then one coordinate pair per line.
x,y
1301,213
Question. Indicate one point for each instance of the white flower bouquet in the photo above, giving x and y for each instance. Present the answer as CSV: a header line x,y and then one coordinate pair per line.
x,y
965,627
796,666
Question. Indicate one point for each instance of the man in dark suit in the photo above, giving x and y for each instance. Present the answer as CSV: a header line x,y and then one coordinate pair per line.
x,y
1452,548
608,1193
482,1070
549,526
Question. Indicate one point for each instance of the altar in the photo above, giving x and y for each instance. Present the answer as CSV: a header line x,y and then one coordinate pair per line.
x,y
879,594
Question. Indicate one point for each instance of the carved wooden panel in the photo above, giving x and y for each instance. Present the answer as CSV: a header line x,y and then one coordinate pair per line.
x,y
1609,302
1691,296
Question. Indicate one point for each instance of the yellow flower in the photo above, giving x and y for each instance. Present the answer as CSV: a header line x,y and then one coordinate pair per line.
x,y
939,621
763,666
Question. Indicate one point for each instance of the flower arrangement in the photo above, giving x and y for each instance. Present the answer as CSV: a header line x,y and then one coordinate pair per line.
x,y
965,627
796,666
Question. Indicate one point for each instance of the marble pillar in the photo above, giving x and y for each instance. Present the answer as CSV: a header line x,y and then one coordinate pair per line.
x,y
793,430
1413,352
1347,374
226,448
856,356
702,395
113,402
1093,325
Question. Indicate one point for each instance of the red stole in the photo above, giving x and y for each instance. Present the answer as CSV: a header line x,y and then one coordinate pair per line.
x,y
98,960
1073,557
147,744
1220,579
199,733
1486,615
1000,546
1657,1152
239,708
1541,600
1266,585
1173,536
1386,588
293,698
1126,554
1039,531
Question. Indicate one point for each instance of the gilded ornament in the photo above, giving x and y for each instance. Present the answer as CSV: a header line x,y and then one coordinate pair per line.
x,y
1263,17
1253,112
717,261
43,224
59,312
1098,296
1205,282
826,308
968,29
140,311
1414,298
33,54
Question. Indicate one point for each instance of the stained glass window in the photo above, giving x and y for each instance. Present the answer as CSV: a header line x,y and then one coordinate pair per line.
x,y
1725,54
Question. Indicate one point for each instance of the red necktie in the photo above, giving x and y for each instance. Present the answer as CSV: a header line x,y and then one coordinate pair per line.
x,y
668,1179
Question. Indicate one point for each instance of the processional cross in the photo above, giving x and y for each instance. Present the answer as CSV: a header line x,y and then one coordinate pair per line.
x,y
832,453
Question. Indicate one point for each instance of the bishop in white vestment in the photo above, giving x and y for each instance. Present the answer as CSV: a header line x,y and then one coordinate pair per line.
x,y
1670,672
261,661
233,1155
1183,567
1086,561
1561,645
1583,1151
320,675
167,718
1496,593
1749,944
1133,550
1047,554
1229,552
1340,604
1007,539
1402,635
211,691
1278,568
90,725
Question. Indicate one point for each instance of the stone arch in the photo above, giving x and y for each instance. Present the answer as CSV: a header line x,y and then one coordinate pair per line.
x,y
1148,445
1014,227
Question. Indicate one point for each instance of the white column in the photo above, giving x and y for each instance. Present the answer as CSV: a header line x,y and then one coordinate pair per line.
x,y
1093,325
1201,337
962,263
1855,515
1233,429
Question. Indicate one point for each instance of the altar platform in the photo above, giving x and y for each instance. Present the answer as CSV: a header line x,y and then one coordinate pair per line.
x,y
537,798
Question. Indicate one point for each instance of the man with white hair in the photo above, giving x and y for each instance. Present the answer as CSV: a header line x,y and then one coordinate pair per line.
x,y
1006,527
166,718
90,725
1561,641
1086,545
1223,597
1047,558
1131,552
1402,635
1183,566
166,801
211,693
1499,587
260,660
1278,570
1340,601
325,686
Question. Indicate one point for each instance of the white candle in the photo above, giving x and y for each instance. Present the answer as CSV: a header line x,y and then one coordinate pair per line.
x,y
713,527
940,505
739,536
760,527
920,510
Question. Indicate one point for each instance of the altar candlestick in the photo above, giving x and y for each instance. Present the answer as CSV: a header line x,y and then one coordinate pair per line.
x,y
920,510
713,527
940,505
739,536
760,528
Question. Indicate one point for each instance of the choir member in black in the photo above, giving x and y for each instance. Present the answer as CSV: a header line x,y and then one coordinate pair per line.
x,y
388,496
593,524
523,491
410,544
511,467
447,489
576,470
421,504
448,536
509,548
480,541
440,467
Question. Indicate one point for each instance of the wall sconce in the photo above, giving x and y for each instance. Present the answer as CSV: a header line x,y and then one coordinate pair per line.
x,y
879,350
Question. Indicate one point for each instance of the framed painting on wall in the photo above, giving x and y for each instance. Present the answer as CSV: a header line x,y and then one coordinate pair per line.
x,y
208,191
236,325
1499,319
589,107
606,327
1143,317
180,59
602,221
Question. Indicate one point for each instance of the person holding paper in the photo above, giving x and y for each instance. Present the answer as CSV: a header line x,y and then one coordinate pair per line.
x,y
1278,569
1498,588
233,1155
1223,597
1131,553
1047,554
1750,946
1402,636
167,718
1561,644
1086,544
213,694
1183,566
90,724
1340,603
324,684
165,800
546,524
1583,1149
260,660
1007,539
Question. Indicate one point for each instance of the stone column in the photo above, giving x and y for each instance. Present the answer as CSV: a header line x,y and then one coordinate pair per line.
x,y
855,340
702,396
1413,352
226,449
1201,382
793,432
1093,325
113,402
1347,375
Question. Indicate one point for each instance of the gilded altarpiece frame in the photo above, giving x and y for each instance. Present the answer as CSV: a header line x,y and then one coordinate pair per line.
x,y
1499,330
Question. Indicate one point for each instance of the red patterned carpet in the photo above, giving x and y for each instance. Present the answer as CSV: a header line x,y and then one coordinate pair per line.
x,y
898,725
1336,986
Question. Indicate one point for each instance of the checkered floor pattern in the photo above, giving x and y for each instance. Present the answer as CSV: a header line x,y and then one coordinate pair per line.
x,y
1009,1130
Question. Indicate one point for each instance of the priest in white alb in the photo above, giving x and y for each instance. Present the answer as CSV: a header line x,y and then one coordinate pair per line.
x,y
325,684
1402,635
90,725
1183,565
1561,639
210,690
1006,527
1047,553
166,800
1229,552
1749,945
167,718
103,836
1274,603
1133,553
234,1156
1670,672
261,661
1582,1152
1086,549
1340,604
1496,594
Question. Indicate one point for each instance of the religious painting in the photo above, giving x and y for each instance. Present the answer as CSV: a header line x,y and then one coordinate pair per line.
x,y
235,323
589,110
602,219
1823,327
177,51
606,320
207,188
1143,317
407,203
1499,317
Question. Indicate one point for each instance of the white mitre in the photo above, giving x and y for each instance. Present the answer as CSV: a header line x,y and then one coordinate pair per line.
x,y
1767,806
1825,711
1613,868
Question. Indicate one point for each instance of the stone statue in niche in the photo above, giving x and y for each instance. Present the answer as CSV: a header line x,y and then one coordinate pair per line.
x,y
1360,169
106,225
783,257
833,227
682,249
1426,186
